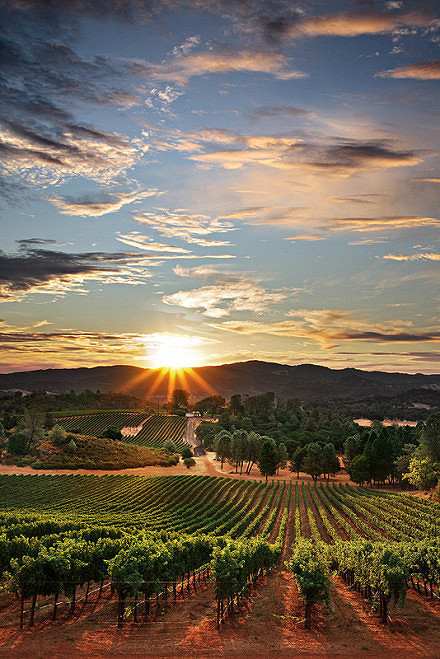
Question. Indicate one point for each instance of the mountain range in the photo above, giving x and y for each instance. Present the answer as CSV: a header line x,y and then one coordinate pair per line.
x,y
306,381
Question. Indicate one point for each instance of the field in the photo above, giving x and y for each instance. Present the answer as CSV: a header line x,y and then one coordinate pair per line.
x,y
124,515
140,428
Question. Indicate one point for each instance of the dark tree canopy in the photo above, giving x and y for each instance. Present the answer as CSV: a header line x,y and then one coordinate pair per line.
x,y
268,462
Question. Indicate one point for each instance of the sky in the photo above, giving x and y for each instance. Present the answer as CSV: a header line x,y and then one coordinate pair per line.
x,y
215,181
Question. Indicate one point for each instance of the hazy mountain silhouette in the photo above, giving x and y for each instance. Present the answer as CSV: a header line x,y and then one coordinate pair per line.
x,y
307,381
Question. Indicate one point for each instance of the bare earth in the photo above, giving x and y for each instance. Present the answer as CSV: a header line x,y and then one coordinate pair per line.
x,y
206,465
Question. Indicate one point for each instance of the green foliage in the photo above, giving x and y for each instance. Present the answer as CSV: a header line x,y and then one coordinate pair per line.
x,y
330,460
359,470
71,446
112,433
17,443
313,462
423,473
297,460
170,446
186,453
211,405
189,462
430,438
57,435
310,568
268,461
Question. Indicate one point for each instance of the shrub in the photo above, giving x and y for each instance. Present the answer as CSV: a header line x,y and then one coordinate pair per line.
x,y
170,446
71,446
17,443
186,453
112,433
57,435
189,462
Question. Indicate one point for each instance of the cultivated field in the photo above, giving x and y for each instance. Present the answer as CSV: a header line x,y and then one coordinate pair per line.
x,y
117,521
139,428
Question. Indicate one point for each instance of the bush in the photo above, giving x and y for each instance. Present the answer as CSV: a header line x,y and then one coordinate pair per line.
x,y
71,446
57,435
112,433
17,443
186,453
189,462
170,446
174,459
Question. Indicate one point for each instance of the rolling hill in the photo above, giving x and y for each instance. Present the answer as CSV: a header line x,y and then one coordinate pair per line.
x,y
306,381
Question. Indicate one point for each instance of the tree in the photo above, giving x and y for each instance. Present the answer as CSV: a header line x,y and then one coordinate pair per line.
x,y
423,473
17,443
170,446
401,463
255,444
186,453
58,435
49,421
113,433
71,446
32,426
222,446
179,399
313,462
352,447
2,431
359,469
205,433
282,456
212,405
236,405
9,420
430,439
268,459
330,460
297,460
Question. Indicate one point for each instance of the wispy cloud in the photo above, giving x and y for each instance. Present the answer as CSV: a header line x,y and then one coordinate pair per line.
x,y
339,157
306,236
420,256
425,179
418,71
136,239
352,24
180,69
363,224
99,204
190,227
221,300
328,327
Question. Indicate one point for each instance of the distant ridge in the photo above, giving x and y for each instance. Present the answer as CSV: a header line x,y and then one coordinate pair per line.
x,y
306,381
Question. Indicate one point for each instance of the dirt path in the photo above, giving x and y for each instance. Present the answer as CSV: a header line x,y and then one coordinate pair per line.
x,y
205,465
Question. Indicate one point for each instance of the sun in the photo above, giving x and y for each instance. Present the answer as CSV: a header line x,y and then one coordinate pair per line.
x,y
172,351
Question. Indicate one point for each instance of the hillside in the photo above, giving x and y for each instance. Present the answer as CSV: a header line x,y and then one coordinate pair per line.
x,y
306,381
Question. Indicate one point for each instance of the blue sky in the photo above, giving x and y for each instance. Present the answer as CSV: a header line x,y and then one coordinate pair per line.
x,y
221,181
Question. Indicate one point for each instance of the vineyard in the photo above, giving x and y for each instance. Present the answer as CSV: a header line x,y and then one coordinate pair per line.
x,y
140,428
156,541
157,429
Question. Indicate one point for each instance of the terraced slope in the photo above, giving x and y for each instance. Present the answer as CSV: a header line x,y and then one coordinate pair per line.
x,y
141,428
158,429
96,424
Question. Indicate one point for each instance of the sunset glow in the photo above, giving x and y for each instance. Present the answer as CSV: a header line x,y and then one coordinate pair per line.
x,y
172,352
195,183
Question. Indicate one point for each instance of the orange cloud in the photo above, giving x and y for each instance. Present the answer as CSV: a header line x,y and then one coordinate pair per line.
x,y
418,71
354,24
